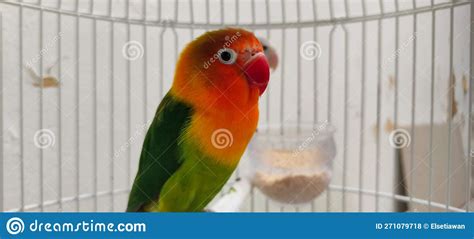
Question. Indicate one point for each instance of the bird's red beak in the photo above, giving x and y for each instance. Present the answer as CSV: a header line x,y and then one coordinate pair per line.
x,y
257,71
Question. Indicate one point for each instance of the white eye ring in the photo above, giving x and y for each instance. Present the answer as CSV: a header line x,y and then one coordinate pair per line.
x,y
227,56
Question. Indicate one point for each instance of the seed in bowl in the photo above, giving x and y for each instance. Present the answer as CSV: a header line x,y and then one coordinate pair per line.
x,y
293,177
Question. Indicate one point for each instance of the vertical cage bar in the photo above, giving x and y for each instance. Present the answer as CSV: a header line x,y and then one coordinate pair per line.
x,y
298,70
145,64
237,15
254,6
191,16
78,138
362,109
329,103
268,35
41,181
208,13
22,160
396,152
158,8
282,91
2,184
252,189
221,4
94,107
237,12
173,28
346,97
315,76
315,66
379,89
95,129
267,21
129,113
413,102
330,65
397,44
283,66
450,108
112,112
160,54
60,161
433,56
328,192
470,152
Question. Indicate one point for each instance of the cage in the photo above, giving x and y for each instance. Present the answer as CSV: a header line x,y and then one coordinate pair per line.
x,y
81,81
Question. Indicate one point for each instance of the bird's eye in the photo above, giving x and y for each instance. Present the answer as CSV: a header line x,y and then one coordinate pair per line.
x,y
227,56
264,47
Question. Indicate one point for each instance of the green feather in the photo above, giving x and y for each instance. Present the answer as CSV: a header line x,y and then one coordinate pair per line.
x,y
197,181
174,174
160,156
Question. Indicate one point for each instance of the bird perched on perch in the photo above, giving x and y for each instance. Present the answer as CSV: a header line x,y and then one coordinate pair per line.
x,y
203,124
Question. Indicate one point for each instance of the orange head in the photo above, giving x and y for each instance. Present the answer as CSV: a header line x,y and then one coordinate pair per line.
x,y
225,66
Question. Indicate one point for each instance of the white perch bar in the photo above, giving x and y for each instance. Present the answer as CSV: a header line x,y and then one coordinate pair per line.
x,y
233,198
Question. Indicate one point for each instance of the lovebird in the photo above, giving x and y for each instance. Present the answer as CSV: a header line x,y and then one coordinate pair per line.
x,y
270,53
203,125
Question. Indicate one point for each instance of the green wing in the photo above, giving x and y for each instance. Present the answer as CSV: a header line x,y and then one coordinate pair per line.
x,y
160,156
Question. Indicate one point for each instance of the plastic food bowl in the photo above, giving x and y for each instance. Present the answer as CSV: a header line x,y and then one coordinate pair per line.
x,y
292,164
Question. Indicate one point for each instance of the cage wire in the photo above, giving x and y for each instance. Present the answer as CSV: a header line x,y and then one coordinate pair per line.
x,y
81,81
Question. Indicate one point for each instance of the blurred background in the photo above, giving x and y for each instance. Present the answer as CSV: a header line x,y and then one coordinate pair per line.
x,y
370,103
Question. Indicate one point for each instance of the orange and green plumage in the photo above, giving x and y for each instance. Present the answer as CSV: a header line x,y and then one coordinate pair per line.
x,y
181,168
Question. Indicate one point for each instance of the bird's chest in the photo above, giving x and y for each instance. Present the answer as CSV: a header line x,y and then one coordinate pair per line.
x,y
223,137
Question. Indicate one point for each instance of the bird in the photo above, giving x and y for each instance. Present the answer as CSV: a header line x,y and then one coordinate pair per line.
x,y
270,53
45,81
203,124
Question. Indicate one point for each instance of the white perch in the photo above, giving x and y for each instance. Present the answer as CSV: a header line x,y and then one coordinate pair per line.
x,y
233,198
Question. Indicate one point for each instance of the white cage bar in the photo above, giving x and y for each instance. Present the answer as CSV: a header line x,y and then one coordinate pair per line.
x,y
385,66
